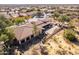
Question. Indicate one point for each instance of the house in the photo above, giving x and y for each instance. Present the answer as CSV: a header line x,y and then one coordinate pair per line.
x,y
26,32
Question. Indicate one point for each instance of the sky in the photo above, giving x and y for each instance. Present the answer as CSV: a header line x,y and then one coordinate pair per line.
x,y
39,1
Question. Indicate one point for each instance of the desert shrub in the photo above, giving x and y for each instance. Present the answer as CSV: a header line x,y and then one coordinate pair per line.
x,y
18,20
63,18
56,14
69,34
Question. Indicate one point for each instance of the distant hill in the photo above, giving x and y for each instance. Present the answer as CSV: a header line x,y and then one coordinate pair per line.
x,y
25,5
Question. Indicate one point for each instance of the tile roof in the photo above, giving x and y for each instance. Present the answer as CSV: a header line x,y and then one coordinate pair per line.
x,y
24,31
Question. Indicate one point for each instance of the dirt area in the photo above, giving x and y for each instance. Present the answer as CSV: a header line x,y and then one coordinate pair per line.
x,y
61,45
56,45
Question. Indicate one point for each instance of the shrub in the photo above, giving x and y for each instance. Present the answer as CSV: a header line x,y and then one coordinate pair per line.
x,y
3,37
63,18
56,14
19,20
69,34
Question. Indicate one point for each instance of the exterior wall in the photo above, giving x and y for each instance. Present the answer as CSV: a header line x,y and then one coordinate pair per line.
x,y
30,37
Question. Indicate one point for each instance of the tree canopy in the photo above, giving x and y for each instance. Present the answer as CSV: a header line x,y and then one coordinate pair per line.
x,y
5,34
4,22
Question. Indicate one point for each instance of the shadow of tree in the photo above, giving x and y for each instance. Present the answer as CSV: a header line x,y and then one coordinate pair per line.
x,y
75,41
77,32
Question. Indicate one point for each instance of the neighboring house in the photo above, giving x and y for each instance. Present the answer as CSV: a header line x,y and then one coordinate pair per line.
x,y
22,14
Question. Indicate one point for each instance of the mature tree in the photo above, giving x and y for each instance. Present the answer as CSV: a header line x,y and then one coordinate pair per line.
x,y
4,22
5,33
9,32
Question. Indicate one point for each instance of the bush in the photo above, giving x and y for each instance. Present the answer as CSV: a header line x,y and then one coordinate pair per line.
x,y
63,18
3,37
69,34
19,20
56,14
